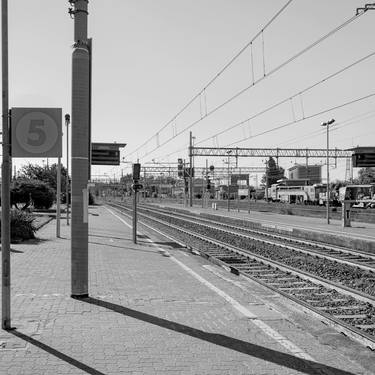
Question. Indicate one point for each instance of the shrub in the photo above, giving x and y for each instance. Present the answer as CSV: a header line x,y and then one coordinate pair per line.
x,y
34,192
91,199
21,225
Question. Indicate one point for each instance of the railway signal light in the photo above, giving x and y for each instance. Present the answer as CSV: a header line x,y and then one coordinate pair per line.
x,y
208,184
180,167
136,171
137,186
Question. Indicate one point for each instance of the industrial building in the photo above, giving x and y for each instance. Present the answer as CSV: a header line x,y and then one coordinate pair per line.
x,y
306,172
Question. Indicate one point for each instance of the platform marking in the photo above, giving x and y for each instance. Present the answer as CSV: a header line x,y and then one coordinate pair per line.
x,y
298,352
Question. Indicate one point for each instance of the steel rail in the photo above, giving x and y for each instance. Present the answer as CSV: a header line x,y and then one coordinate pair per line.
x,y
338,324
321,255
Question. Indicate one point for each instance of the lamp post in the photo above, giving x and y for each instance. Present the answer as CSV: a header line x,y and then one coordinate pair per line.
x,y
327,124
228,204
67,122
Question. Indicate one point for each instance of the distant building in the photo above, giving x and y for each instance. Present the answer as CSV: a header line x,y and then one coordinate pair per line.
x,y
306,172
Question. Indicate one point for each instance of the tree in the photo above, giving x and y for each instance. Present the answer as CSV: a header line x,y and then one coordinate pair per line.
x,y
27,192
366,175
47,174
273,173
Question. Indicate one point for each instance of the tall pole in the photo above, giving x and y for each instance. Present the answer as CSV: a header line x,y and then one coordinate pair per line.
x,y
67,122
266,181
58,198
135,214
228,200
327,124
191,170
80,148
5,169
328,190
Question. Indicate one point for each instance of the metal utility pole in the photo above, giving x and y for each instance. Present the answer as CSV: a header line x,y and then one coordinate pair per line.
x,y
327,124
58,198
67,122
5,183
136,186
80,150
266,191
228,198
191,170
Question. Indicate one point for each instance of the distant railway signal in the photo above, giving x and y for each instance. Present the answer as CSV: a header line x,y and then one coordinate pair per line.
x,y
180,167
136,171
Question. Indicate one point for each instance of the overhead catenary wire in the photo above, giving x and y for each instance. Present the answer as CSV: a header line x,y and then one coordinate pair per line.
x,y
290,98
290,123
338,126
217,75
306,118
242,91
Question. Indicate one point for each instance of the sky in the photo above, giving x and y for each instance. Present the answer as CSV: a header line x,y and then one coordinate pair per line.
x,y
150,58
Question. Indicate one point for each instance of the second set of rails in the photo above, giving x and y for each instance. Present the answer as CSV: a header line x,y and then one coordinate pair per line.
x,y
338,284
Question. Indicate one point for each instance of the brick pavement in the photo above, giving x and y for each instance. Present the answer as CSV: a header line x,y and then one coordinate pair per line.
x,y
152,314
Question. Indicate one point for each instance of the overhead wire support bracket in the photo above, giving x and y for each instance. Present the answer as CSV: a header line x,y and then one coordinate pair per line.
x,y
367,7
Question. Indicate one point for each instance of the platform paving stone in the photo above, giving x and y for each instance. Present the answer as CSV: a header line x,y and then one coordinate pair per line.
x,y
145,314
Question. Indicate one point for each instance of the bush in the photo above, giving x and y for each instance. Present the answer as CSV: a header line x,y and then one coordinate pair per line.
x,y
31,192
22,225
91,199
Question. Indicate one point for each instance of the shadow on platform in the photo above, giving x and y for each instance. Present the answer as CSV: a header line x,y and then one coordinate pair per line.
x,y
56,353
254,350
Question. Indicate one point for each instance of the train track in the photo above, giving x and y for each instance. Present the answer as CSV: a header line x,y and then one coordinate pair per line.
x,y
361,259
349,309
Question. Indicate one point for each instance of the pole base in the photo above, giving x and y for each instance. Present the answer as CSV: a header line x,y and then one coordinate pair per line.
x,y
79,296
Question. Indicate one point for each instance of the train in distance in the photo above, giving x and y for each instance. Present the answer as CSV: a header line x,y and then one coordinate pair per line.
x,y
300,192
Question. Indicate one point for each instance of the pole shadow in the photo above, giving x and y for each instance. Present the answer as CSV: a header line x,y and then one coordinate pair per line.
x,y
88,369
253,350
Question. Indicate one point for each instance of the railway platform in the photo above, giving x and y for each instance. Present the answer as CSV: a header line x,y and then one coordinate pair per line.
x,y
155,308
360,235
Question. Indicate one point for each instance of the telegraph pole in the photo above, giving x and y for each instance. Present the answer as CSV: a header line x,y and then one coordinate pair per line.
x,y
191,170
80,150
5,185
67,122
327,124
58,198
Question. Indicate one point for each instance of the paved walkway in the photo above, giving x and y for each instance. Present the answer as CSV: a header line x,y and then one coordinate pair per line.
x,y
150,313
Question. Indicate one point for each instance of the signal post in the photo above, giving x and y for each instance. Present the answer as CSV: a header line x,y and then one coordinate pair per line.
x,y
136,186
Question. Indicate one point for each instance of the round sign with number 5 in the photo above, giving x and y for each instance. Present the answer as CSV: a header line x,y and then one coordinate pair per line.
x,y
36,132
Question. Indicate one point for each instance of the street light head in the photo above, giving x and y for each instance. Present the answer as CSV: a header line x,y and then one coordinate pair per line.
x,y
330,122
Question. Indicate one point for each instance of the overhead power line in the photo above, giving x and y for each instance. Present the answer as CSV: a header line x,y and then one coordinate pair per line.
x,y
290,123
242,91
298,94
305,118
217,75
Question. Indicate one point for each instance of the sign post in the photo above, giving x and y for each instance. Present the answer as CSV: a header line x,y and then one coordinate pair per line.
x,y
37,133
5,185
136,187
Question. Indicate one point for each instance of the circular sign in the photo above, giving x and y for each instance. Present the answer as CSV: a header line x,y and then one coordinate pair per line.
x,y
37,132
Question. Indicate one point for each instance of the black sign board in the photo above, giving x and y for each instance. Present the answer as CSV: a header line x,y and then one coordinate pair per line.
x,y
106,153
363,157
